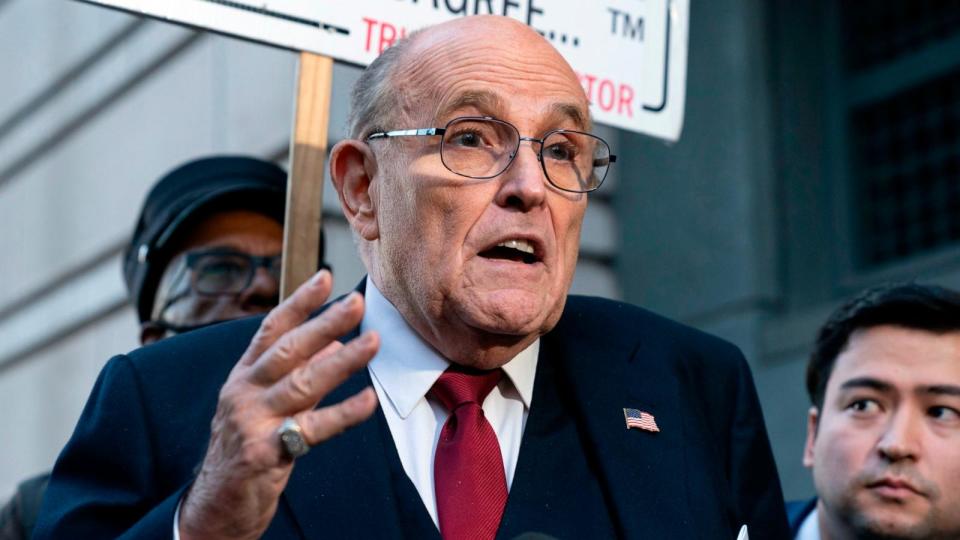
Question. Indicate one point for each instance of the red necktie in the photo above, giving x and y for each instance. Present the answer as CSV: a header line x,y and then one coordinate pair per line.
x,y
468,475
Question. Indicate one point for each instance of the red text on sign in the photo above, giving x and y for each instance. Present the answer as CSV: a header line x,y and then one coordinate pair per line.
x,y
381,34
609,95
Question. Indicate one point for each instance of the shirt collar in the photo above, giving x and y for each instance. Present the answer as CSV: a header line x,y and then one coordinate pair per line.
x,y
810,528
406,366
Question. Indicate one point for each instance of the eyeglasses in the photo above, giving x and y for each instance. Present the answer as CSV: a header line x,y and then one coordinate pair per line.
x,y
214,272
224,271
483,147
218,271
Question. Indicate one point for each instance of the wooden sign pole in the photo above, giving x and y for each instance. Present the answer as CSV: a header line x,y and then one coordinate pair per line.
x,y
308,150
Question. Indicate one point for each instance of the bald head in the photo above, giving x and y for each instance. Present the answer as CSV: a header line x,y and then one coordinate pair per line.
x,y
394,88
435,66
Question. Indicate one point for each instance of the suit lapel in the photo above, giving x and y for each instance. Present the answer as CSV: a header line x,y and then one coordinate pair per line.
x,y
353,486
341,488
554,491
643,473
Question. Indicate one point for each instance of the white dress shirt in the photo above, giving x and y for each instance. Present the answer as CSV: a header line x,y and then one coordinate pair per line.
x,y
404,370
810,528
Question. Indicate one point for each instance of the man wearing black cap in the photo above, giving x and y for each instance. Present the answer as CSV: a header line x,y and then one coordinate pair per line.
x,y
206,248
207,245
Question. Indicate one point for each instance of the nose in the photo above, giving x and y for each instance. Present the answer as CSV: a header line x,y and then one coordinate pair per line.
x,y
901,438
523,185
263,293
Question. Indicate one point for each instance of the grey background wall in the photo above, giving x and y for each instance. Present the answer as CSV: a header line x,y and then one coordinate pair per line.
x,y
748,227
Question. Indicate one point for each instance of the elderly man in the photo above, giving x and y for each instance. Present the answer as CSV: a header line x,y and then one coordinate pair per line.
x,y
470,397
883,434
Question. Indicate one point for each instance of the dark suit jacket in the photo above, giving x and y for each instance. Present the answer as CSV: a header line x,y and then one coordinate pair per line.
x,y
797,511
580,472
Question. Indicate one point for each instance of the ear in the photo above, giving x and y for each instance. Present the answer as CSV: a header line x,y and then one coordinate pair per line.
x,y
352,168
813,417
150,332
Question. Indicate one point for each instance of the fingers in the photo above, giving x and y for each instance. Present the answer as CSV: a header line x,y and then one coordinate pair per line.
x,y
303,387
291,312
298,345
322,424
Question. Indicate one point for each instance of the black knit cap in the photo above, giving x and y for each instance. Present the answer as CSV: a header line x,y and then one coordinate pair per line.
x,y
187,195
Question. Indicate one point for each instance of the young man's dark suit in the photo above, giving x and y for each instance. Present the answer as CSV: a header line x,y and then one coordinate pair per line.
x,y
580,472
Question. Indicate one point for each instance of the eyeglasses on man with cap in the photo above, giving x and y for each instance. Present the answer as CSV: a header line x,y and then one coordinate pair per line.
x,y
214,272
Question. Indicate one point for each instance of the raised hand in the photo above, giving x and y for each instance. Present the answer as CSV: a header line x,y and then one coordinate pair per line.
x,y
289,366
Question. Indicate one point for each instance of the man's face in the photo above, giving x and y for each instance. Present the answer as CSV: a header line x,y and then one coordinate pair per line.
x,y
244,232
886,452
437,257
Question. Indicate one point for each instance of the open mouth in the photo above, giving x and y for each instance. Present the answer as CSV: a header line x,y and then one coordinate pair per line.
x,y
521,251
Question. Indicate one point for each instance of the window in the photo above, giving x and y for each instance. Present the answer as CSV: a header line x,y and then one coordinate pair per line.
x,y
901,70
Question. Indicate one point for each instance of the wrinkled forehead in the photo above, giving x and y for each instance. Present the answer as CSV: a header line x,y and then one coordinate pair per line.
x,y
490,66
480,101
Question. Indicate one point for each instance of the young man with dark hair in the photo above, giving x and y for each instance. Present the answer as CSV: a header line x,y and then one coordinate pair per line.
x,y
883,434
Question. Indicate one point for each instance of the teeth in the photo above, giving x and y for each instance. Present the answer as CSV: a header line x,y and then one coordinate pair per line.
x,y
520,245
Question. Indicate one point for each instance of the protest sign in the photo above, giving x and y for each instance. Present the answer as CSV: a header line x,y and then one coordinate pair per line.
x,y
630,55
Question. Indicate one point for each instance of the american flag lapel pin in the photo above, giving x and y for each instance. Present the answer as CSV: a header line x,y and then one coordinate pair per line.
x,y
636,418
